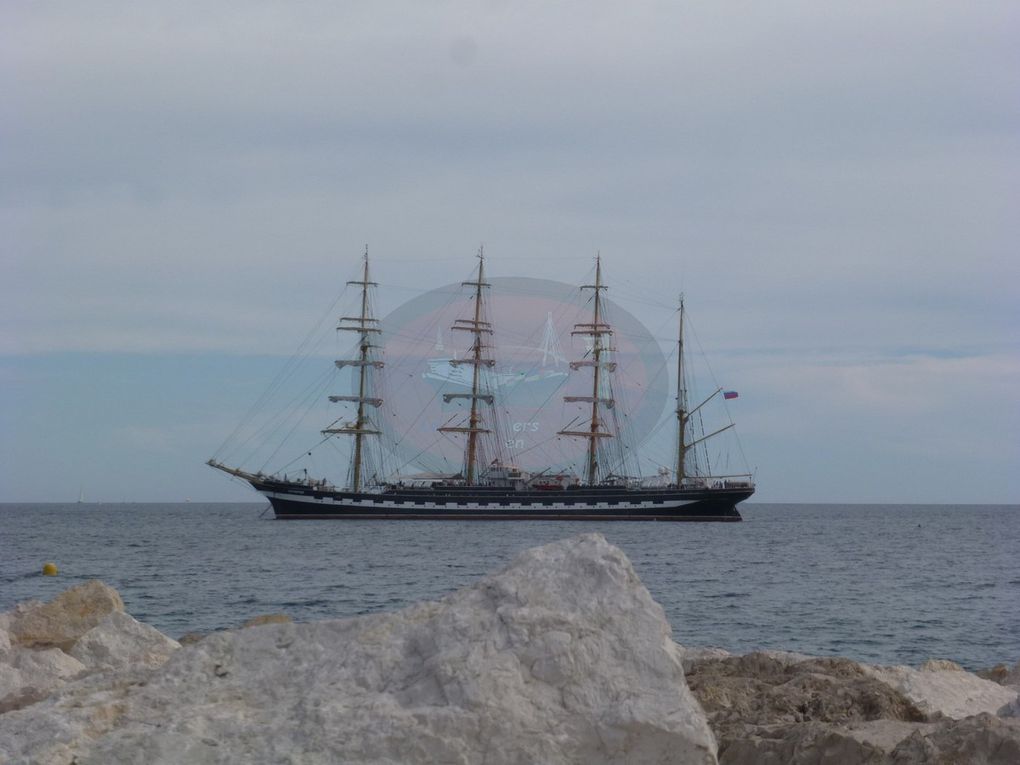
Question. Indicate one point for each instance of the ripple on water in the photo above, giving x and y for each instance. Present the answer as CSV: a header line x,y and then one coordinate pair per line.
x,y
863,581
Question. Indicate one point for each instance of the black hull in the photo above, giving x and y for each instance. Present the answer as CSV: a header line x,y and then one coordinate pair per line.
x,y
301,502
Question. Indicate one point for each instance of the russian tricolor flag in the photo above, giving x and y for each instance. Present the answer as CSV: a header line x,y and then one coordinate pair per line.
x,y
728,394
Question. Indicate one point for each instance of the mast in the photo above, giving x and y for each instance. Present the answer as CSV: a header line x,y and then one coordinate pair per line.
x,y
684,415
365,325
596,330
478,327
681,400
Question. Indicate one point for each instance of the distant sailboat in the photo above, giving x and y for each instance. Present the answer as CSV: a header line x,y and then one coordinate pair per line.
x,y
81,494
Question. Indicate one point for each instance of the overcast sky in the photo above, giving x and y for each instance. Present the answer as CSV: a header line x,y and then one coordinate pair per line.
x,y
185,186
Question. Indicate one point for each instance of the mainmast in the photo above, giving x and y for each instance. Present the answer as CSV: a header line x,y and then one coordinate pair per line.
x,y
477,326
681,401
596,330
366,326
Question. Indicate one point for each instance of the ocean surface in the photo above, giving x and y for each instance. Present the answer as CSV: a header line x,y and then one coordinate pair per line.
x,y
893,584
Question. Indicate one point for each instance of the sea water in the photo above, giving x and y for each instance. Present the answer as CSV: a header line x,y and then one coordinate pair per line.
x,y
893,584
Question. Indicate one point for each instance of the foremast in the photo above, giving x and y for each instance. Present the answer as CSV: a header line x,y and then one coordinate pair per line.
x,y
478,327
596,329
367,327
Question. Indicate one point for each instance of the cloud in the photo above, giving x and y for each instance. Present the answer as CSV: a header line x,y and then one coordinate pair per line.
x,y
830,183
887,429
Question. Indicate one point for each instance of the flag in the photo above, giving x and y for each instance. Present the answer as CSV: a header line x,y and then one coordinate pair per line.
x,y
728,394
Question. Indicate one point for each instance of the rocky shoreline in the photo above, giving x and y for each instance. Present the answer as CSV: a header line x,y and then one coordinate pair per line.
x,y
562,657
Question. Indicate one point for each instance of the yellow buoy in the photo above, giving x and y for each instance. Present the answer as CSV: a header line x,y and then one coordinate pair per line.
x,y
49,569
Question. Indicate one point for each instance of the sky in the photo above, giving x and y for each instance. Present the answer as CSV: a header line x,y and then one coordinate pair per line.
x,y
185,187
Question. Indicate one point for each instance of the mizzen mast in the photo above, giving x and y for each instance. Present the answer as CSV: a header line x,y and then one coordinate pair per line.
x,y
366,326
478,327
685,413
597,329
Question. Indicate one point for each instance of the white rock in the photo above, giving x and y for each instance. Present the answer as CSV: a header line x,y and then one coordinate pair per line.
x,y
119,641
10,681
7,617
955,693
1013,678
53,662
886,734
692,655
788,658
28,675
64,619
1012,709
258,621
562,657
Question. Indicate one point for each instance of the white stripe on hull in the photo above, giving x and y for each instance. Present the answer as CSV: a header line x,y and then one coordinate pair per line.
x,y
495,506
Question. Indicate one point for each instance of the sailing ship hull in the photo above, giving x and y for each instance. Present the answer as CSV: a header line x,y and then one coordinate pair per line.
x,y
294,501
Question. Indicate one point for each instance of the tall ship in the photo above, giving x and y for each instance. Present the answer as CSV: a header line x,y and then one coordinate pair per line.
x,y
490,484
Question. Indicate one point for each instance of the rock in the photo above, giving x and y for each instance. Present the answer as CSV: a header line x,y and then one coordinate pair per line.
x,y
805,744
32,666
1013,677
190,638
953,693
258,621
66,618
983,739
11,683
1012,709
787,657
996,674
44,662
119,641
765,708
694,655
763,690
561,657
886,735
940,665
7,618
29,675
691,656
